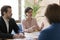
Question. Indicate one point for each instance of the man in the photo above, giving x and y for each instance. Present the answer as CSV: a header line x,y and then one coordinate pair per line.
x,y
7,24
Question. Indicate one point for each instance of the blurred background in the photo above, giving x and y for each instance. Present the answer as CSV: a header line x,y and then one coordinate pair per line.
x,y
18,7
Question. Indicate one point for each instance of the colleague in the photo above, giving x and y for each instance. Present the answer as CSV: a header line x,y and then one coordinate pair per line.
x,y
53,15
30,23
7,24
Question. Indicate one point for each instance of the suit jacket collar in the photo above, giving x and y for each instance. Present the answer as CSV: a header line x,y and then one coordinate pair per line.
x,y
3,22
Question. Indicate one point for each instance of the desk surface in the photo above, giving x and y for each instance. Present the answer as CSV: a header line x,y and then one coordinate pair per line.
x,y
29,36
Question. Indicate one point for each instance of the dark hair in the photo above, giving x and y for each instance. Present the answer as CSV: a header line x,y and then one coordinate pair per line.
x,y
27,9
53,13
4,9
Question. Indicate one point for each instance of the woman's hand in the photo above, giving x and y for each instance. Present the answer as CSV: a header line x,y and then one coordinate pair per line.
x,y
28,30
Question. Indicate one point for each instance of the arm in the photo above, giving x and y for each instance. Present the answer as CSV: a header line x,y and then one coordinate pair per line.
x,y
31,29
25,26
15,27
35,26
42,26
3,35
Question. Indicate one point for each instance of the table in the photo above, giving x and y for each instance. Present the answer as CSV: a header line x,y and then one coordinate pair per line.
x,y
29,36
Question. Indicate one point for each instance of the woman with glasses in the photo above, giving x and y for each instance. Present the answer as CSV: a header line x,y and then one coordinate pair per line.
x,y
30,24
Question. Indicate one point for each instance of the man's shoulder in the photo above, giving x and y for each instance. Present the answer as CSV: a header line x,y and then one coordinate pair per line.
x,y
11,18
1,20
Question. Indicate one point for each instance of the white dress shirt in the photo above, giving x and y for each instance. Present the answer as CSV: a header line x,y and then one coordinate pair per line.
x,y
7,24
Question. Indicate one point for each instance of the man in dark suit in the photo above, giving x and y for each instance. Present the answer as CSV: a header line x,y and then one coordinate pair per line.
x,y
53,15
7,24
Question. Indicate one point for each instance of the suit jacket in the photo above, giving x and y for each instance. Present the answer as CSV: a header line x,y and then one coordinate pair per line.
x,y
51,33
3,28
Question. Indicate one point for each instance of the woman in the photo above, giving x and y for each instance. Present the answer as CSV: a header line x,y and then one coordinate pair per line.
x,y
30,24
53,15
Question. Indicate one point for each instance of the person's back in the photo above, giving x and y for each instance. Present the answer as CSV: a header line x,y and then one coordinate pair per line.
x,y
51,33
53,16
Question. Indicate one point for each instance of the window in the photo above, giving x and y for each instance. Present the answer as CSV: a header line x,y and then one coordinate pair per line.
x,y
22,9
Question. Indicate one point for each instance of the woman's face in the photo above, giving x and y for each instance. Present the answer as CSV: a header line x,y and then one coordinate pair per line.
x,y
29,13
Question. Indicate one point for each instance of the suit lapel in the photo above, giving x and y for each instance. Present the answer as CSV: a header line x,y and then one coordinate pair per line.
x,y
4,24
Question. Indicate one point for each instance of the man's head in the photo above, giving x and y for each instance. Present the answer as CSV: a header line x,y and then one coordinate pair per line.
x,y
6,11
53,13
